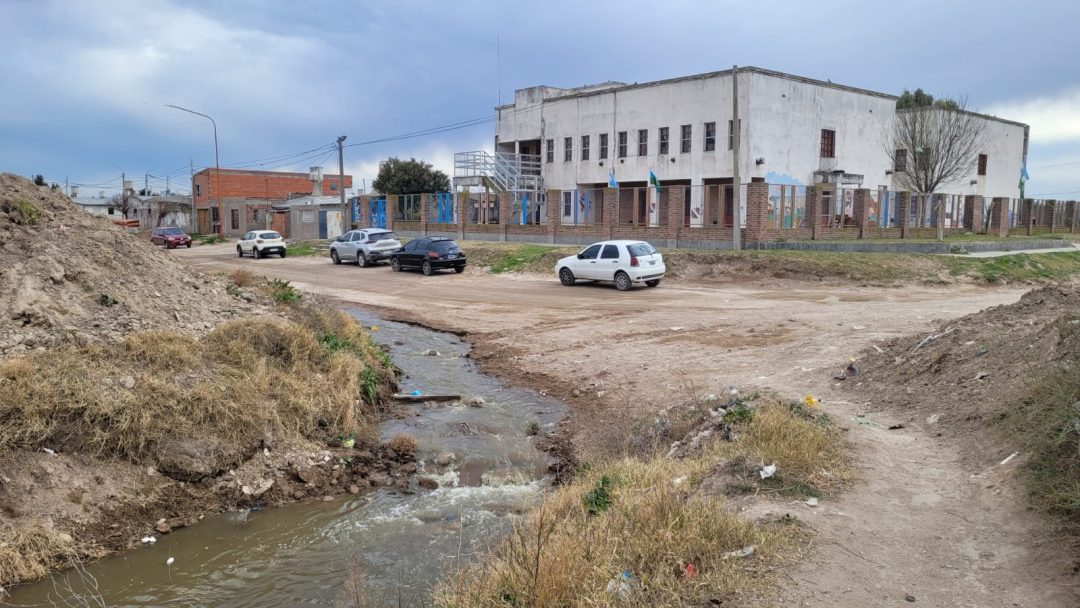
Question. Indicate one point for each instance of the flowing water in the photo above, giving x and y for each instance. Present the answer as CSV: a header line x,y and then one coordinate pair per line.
x,y
301,554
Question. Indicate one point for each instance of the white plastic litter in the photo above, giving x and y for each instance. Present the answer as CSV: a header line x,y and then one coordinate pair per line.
x,y
678,480
768,471
1011,456
744,552
812,501
170,561
148,540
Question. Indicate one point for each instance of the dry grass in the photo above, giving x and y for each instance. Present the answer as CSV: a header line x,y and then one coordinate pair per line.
x,y
652,528
653,518
32,550
242,277
404,445
243,382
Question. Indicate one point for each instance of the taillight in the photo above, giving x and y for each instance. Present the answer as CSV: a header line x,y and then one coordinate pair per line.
x,y
433,254
259,241
370,242
633,260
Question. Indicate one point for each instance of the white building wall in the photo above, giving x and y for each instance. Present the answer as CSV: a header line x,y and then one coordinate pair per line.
x,y
782,120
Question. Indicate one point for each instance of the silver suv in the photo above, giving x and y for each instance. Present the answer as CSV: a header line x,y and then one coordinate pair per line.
x,y
364,247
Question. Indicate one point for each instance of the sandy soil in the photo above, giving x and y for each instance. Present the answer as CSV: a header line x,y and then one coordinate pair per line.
x,y
918,524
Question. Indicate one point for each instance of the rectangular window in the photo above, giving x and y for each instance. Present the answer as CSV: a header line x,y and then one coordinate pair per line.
x,y
603,146
663,140
307,217
198,189
551,150
900,161
982,164
686,133
643,142
568,149
255,216
567,203
622,144
234,218
828,143
584,147
710,136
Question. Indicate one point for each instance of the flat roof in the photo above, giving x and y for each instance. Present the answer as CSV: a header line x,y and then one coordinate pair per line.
x,y
576,94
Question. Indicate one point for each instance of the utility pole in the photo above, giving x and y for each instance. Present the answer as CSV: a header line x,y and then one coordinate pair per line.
x,y
146,184
737,186
67,188
123,195
217,171
168,188
346,217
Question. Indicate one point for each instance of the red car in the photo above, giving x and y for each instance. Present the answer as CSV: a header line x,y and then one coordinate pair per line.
x,y
170,237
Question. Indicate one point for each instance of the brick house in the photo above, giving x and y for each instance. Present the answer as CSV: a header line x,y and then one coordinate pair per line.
x,y
247,196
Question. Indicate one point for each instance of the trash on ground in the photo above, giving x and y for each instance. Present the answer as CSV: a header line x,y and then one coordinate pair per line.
x,y
768,471
812,501
416,393
621,585
981,375
1010,457
811,402
933,418
678,480
744,552
170,561
421,397
48,451
690,571
148,540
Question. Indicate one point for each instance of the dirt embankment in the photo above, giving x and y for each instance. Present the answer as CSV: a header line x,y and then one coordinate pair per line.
x,y
138,395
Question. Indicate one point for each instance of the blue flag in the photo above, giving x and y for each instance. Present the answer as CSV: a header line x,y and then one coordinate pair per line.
x,y
524,209
611,179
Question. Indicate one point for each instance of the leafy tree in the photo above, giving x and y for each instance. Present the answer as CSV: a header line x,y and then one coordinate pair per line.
x,y
39,180
410,177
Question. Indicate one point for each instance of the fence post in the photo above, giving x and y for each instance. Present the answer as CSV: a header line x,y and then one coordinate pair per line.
x,y
425,202
813,209
973,213
999,216
1027,215
757,212
611,204
504,213
554,214
904,212
861,210
461,207
1072,215
1051,213
674,214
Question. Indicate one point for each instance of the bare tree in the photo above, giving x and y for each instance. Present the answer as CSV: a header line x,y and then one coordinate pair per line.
x,y
123,202
933,146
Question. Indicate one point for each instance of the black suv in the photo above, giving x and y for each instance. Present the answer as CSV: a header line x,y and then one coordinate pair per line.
x,y
429,254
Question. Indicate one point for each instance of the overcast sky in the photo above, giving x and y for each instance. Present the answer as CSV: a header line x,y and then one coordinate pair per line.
x,y
86,81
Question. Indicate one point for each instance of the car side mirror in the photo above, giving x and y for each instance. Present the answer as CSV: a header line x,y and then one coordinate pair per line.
x,y
581,256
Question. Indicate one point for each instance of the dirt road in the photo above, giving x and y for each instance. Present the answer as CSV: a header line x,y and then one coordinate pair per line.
x,y
917,524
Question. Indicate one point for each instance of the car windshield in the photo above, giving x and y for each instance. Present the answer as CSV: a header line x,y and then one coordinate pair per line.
x,y
640,249
381,236
171,231
444,246
268,236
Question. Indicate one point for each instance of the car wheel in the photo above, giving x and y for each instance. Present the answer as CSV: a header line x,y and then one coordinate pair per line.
x,y
653,283
189,245
361,259
566,277
283,253
255,253
395,265
239,251
623,282
459,269
427,269
334,256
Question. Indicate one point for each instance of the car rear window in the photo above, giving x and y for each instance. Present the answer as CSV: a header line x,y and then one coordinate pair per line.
x,y
171,231
381,236
444,246
640,249
269,236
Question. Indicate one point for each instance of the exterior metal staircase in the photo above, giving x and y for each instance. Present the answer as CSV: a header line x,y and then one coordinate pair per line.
x,y
501,172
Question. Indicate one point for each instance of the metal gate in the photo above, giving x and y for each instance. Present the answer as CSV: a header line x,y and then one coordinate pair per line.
x,y
322,224
377,215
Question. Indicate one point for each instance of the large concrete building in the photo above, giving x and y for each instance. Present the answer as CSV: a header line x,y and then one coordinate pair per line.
x,y
793,131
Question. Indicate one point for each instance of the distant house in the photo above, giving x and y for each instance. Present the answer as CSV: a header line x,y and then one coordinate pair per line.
x,y
151,211
247,196
308,217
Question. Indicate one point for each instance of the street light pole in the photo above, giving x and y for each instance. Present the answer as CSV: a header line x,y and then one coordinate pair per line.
x,y
346,217
217,170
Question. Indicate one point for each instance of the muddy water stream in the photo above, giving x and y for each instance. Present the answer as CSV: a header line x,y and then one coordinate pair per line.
x,y
301,553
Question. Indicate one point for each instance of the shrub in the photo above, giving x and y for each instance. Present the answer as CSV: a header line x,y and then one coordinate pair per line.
x,y
404,445
107,300
242,277
282,292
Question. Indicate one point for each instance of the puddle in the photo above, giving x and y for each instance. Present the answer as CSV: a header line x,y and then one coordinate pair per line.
x,y
301,554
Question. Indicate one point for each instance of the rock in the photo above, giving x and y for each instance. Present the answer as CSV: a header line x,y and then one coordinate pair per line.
x,y
933,418
445,458
127,382
299,494
327,498
380,479
64,538
401,484
364,455
398,343
428,483
163,527
408,468
354,489
476,402
431,352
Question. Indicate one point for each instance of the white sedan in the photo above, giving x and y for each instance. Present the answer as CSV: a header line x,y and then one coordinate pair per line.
x,y
260,243
621,262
